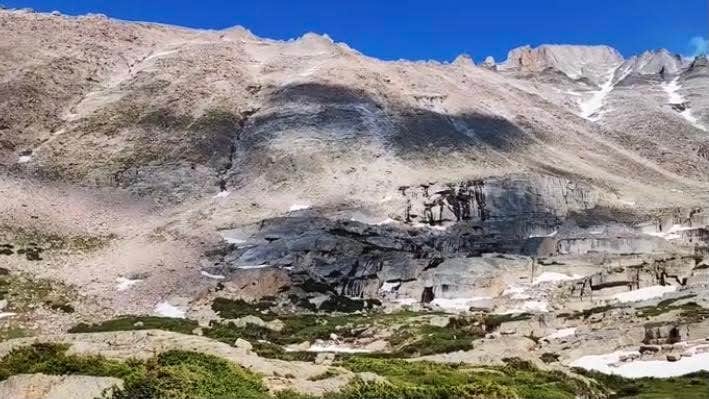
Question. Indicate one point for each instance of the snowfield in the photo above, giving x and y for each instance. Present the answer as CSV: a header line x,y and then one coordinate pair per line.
x,y
643,294
611,364
166,310
563,333
125,283
458,304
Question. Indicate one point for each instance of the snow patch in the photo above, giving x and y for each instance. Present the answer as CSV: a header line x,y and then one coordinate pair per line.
x,y
166,310
458,304
671,234
331,347
646,293
439,227
24,159
563,333
6,314
406,301
672,90
529,307
592,105
298,207
231,240
611,364
212,276
249,267
675,98
552,234
222,194
389,287
125,283
547,277
385,221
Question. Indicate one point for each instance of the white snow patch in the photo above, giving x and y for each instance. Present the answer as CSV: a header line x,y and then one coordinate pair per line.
x,y
514,289
385,221
646,293
167,310
563,333
6,314
159,54
529,307
222,194
458,304
298,207
671,234
547,277
332,347
406,301
672,90
517,292
24,159
248,267
552,234
231,240
212,276
440,227
675,98
125,283
611,364
593,104
389,287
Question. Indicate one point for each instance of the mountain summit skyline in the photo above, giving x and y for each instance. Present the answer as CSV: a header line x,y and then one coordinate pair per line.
x,y
191,213
409,30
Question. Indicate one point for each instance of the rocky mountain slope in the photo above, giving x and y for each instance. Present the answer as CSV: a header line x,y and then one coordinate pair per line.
x,y
549,208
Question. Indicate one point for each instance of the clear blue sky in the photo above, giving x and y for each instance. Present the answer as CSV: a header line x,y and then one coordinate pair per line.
x,y
434,29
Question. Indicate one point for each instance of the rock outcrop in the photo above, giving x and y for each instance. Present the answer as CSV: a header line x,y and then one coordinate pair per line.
x,y
41,386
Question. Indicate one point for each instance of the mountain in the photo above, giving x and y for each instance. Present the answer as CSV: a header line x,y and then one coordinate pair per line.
x,y
256,189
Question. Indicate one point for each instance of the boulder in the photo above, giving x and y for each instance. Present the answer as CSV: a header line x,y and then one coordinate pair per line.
x,y
649,348
273,325
439,321
41,386
243,344
325,359
673,357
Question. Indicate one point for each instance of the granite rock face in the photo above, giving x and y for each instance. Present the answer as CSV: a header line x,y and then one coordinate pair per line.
x,y
589,62
41,386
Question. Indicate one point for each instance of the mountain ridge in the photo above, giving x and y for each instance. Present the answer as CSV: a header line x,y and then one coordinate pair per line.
x,y
282,198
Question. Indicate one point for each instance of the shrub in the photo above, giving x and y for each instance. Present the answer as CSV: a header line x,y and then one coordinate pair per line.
x,y
130,323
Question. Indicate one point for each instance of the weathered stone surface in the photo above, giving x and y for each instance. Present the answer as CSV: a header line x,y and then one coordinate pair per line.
x,y
41,386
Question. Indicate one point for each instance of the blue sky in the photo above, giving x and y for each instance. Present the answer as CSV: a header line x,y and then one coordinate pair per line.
x,y
433,29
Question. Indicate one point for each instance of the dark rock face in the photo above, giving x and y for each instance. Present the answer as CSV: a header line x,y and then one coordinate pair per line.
x,y
665,333
454,224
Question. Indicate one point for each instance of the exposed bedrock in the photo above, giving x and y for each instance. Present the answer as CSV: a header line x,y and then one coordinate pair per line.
x,y
473,238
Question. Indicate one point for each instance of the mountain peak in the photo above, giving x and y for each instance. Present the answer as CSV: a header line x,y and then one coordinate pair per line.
x,y
654,62
576,61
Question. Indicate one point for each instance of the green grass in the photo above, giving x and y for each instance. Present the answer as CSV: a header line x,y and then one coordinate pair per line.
x,y
663,306
422,340
413,336
130,323
235,308
494,321
691,386
425,380
690,312
172,374
330,373
586,313
190,375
